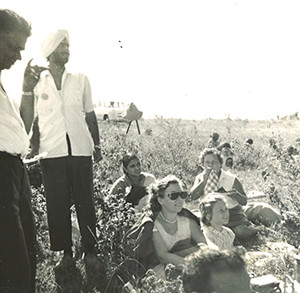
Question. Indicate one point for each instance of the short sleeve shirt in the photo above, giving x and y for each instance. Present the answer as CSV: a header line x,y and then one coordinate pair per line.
x,y
63,112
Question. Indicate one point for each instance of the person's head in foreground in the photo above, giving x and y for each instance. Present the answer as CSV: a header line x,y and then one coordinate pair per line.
x,y
210,158
55,48
131,165
167,195
216,271
14,31
214,211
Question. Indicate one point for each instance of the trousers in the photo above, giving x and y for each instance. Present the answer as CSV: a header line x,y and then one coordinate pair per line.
x,y
17,228
67,179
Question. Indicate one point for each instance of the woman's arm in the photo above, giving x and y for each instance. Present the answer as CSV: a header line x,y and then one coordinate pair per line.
x,y
196,232
163,254
118,187
197,189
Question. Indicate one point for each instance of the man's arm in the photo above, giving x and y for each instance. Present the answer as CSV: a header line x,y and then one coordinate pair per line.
x,y
31,78
92,123
27,109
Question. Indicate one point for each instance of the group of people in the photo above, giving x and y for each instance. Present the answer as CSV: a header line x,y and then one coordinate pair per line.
x,y
66,132
57,106
169,232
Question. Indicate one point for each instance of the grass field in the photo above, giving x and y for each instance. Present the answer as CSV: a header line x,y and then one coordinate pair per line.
x,y
173,147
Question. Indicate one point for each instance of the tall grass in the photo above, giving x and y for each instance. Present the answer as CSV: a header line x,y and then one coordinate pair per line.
x,y
173,147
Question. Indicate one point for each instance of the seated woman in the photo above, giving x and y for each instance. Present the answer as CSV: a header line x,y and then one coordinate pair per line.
x,y
174,235
214,178
133,183
214,215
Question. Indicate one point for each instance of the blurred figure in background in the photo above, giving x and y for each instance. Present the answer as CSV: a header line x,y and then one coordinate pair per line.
x,y
226,154
214,140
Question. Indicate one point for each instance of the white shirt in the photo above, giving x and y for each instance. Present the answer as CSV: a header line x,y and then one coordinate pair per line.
x,y
226,180
63,112
13,136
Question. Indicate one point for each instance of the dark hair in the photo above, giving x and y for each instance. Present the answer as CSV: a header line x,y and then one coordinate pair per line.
x,y
223,145
249,141
201,264
206,206
210,151
215,135
127,158
10,21
157,189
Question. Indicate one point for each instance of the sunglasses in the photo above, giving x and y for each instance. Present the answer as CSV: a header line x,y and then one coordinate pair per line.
x,y
175,195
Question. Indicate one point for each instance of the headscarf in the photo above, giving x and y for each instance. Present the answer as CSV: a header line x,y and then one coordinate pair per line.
x,y
52,41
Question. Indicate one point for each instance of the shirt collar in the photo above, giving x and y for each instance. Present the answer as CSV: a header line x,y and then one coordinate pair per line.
x,y
65,73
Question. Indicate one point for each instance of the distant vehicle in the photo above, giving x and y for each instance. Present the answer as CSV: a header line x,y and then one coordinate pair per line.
x,y
112,110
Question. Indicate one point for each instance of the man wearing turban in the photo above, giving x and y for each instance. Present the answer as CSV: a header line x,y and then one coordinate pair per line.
x,y
69,135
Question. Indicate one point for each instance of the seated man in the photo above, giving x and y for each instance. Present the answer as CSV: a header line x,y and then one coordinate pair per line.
x,y
216,271
226,154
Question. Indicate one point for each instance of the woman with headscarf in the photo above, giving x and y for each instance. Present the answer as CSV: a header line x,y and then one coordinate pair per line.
x,y
133,183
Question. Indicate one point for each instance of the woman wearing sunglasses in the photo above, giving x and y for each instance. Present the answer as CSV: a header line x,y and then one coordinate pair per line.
x,y
133,183
175,234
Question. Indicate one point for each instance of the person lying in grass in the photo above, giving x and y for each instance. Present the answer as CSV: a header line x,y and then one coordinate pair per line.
x,y
213,179
214,215
175,233
133,183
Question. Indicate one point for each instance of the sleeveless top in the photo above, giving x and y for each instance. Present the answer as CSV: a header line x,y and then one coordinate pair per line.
x,y
183,232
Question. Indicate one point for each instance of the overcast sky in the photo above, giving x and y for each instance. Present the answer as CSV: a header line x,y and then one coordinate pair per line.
x,y
178,58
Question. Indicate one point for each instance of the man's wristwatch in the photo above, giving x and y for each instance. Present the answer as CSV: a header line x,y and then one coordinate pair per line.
x,y
97,146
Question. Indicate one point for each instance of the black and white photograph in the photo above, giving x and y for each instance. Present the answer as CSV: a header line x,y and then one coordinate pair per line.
x,y
149,146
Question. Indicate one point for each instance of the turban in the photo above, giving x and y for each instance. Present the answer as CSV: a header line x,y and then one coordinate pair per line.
x,y
52,41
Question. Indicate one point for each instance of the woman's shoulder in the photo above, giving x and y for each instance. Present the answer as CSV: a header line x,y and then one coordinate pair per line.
x,y
120,183
190,215
149,178
228,230
148,175
184,220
